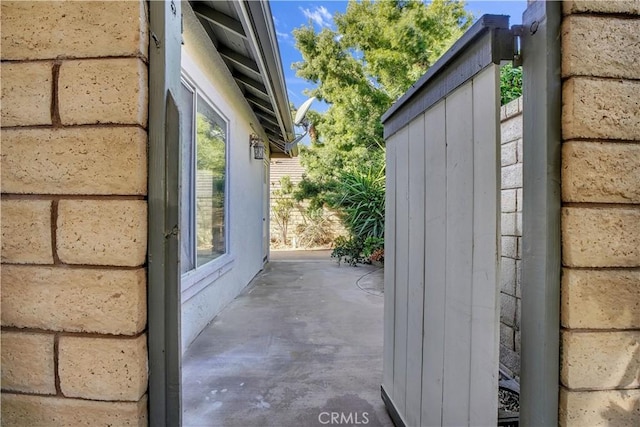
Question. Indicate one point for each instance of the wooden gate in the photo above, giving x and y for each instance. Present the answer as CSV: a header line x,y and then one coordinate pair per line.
x,y
442,233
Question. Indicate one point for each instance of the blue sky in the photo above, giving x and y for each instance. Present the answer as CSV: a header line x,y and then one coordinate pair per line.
x,y
290,14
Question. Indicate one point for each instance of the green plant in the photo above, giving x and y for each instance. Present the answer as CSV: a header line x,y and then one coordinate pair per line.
x,y
348,250
313,191
282,207
510,83
373,248
315,229
361,198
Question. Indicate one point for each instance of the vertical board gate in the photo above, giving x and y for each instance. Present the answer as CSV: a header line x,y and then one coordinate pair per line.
x,y
442,237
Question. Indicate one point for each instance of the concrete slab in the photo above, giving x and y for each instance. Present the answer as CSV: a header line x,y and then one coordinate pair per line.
x,y
302,346
301,255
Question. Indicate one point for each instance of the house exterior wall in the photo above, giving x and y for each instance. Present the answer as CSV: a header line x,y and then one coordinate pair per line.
x,y
600,298
511,227
74,213
245,187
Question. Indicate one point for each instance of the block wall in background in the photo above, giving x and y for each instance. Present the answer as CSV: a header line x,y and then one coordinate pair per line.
x,y
511,227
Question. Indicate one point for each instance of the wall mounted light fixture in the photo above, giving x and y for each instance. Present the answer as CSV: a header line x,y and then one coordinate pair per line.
x,y
258,147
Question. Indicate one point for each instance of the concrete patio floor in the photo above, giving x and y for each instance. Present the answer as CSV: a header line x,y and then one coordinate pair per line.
x,y
302,342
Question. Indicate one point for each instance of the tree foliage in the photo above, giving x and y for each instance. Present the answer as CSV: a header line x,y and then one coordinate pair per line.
x,y
510,83
376,52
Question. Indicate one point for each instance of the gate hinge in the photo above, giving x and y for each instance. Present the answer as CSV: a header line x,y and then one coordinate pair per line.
x,y
517,31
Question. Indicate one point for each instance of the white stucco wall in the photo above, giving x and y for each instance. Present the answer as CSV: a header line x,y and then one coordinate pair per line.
x,y
245,189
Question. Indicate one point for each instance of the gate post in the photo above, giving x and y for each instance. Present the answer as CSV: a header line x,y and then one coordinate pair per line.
x,y
163,275
541,266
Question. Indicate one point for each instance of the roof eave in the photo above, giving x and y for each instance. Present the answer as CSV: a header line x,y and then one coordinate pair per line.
x,y
259,19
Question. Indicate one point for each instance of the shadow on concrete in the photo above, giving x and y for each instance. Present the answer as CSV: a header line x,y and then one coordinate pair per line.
x,y
302,346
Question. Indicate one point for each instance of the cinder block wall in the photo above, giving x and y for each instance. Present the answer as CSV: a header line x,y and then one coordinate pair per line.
x,y
74,213
511,226
600,303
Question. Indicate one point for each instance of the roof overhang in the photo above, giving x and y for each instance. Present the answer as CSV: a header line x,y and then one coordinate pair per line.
x,y
245,37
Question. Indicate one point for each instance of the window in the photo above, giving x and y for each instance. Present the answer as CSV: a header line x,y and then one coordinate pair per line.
x,y
204,179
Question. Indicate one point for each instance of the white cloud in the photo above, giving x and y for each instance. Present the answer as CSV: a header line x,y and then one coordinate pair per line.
x,y
320,15
282,35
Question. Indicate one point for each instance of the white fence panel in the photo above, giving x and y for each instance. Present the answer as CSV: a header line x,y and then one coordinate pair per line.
x,y
442,247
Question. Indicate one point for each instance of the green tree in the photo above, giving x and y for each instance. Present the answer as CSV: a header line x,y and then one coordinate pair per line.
x,y
377,51
282,206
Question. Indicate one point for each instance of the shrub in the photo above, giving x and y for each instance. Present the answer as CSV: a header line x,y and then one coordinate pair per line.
x,y
360,197
348,250
282,207
316,229
373,249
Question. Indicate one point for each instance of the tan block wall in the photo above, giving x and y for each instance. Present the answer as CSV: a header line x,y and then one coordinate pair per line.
x,y
600,297
511,227
74,213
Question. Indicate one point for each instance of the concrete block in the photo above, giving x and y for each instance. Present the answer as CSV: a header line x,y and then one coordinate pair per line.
x,y
508,276
520,150
506,336
103,91
26,93
512,176
508,224
102,232
103,160
600,46
600,108
26,231
518,314
27,362
509,247
600,172
517,342
507,309
28,411
59,299
508,200
511,129
103,368
519,278
601,237
508,155
600,299
519,199
631,7
519,226
510,359
615,364
511,109
42,30
620,408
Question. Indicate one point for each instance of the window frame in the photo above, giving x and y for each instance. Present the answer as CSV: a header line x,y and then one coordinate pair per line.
x,y
193,281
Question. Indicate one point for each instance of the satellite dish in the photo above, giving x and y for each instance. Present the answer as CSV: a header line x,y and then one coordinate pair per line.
x,y
302,111
300,121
